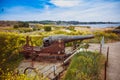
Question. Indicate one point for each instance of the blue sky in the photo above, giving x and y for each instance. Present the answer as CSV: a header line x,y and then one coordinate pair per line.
x,y
68,10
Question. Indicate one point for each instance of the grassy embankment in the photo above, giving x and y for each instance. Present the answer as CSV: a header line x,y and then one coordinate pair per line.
x,y
86,66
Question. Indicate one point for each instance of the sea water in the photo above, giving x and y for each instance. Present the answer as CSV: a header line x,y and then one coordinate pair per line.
x,y
99,25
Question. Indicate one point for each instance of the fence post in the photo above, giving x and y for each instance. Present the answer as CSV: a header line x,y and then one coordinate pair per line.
x,y
101,44
106,64
105,73
100,48
107,55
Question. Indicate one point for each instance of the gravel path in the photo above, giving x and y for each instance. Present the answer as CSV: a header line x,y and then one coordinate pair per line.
x,y
113,70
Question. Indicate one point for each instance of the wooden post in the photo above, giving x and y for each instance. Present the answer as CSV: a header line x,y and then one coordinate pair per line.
x,y
100,48
105,73
107,55
106,64
101,44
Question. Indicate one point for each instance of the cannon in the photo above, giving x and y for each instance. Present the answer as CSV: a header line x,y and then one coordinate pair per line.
x,y
47,41
53,47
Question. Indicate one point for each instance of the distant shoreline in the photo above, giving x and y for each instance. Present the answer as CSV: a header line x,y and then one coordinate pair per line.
x,y
94,25
65,23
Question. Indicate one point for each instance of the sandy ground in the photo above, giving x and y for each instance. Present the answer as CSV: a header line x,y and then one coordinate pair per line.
x,y
93,29
113,70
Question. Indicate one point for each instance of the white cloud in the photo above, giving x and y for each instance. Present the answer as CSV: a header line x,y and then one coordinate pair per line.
x,y
66,3
88,11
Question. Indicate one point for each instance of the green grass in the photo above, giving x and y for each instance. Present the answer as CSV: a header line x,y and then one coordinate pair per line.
x,y
85,66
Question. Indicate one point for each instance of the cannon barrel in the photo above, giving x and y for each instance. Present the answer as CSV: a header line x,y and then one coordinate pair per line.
x,y
74,38
51,39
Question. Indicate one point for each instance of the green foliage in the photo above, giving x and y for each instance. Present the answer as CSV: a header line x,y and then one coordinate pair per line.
x,y
24,30
60,32
10,44
14,76
109,37
37,40
85,66
47,28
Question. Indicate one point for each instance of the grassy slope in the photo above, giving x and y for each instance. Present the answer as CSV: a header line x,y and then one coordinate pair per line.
x,y
85,66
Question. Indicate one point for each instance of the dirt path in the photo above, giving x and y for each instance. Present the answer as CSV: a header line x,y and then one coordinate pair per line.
x,y
45,68
113,70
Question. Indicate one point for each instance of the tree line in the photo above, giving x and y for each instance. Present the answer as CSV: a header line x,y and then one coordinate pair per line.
x,y
21,24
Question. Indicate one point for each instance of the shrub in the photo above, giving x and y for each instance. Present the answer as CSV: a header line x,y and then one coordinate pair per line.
x,y
47,28
109,36
10,44
37,40
16,26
